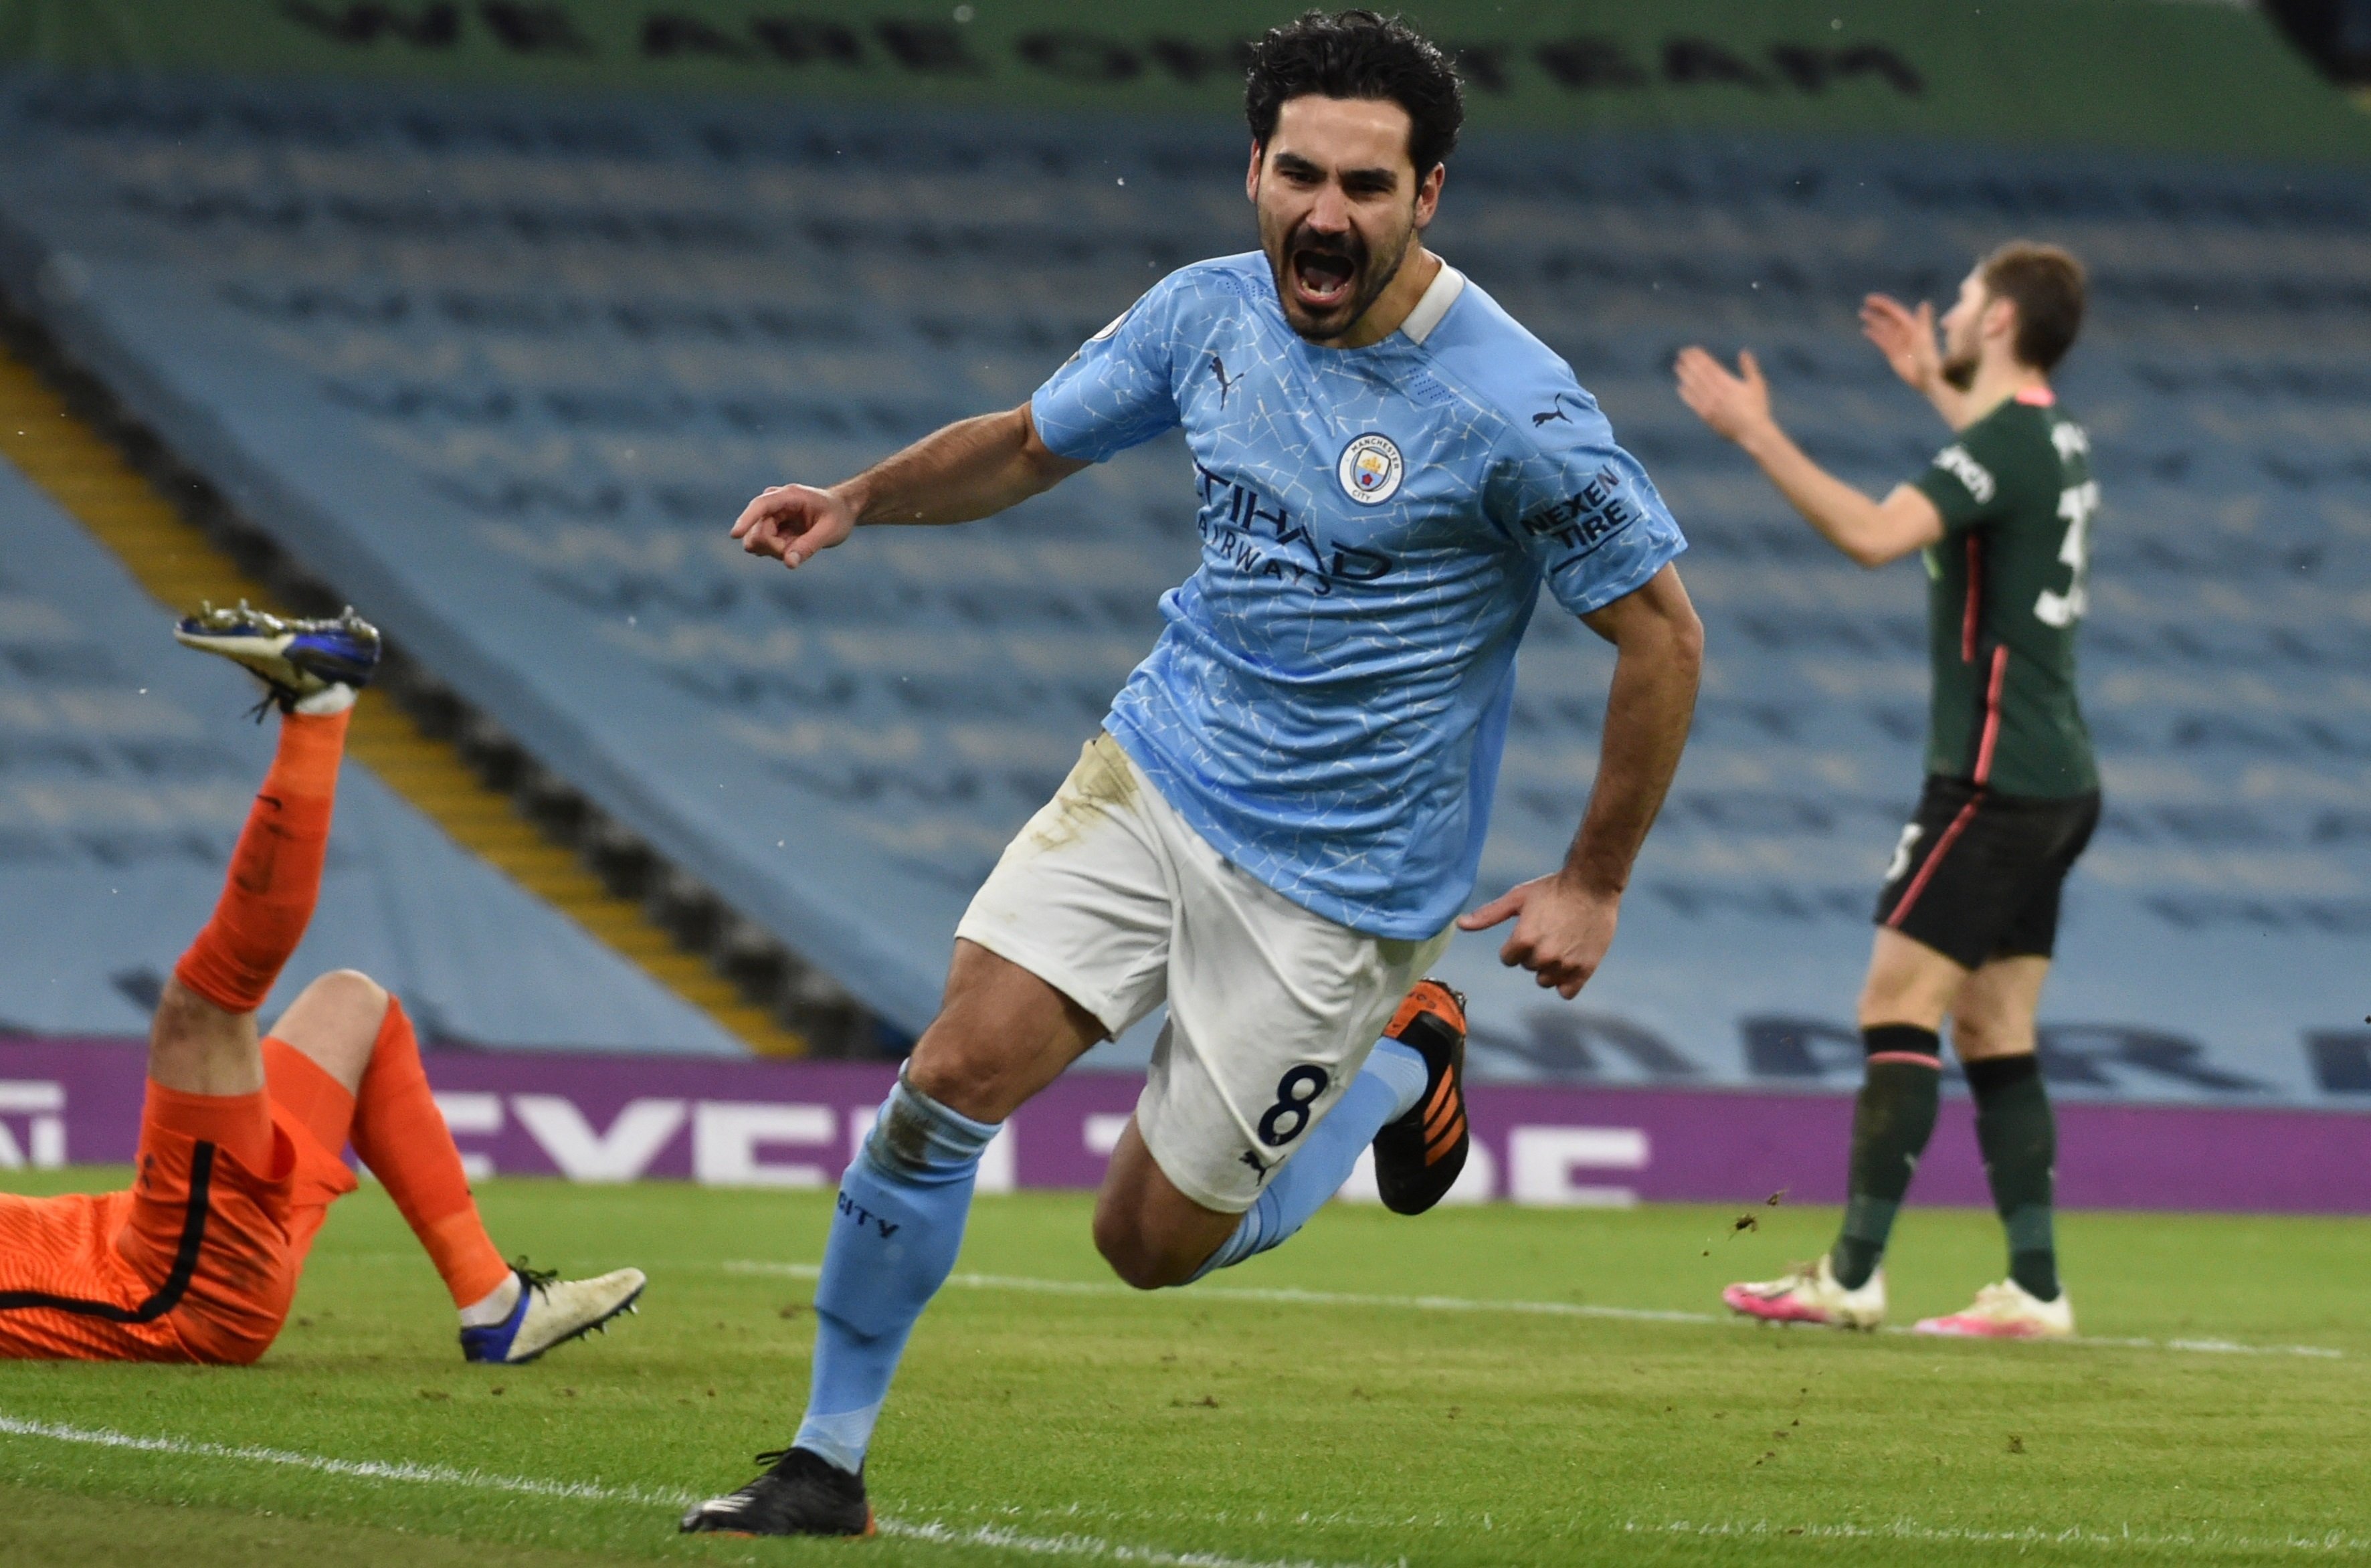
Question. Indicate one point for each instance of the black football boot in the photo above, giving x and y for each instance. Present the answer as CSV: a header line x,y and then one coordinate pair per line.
x,y
801,1494
1419,1157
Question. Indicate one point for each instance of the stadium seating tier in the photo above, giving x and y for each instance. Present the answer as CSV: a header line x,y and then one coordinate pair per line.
x,y
125,773
502,368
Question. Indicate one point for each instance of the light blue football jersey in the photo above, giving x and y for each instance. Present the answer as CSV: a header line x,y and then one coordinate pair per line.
x,y
1328,701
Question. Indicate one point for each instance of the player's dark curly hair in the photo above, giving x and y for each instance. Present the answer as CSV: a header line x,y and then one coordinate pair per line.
x,y
1358,54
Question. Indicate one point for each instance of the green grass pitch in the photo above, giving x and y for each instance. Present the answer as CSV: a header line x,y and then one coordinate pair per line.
x,y
1239,1424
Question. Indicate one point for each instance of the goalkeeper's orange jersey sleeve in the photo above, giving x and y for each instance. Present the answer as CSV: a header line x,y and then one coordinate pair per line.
x,y
198,1262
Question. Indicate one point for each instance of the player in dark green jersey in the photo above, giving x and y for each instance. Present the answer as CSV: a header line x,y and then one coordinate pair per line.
x,y
1969,913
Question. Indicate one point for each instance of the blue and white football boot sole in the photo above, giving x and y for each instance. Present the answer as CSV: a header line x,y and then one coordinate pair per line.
x,y
552,1311
296,660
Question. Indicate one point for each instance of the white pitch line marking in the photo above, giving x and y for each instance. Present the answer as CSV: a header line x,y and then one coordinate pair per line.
x,y
929,1530
1285,1295
2028,1535
1070,1545
360,1470
1294,1297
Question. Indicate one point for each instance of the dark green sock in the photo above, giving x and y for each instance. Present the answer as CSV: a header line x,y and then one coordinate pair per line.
x,y
1891,1122
2020,1140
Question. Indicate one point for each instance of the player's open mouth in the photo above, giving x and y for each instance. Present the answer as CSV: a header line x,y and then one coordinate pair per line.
x,y
1321,279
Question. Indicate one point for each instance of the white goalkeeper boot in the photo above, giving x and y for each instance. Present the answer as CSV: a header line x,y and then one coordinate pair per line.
x,y
549,1310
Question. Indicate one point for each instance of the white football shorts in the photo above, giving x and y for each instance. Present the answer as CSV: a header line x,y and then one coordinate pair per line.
x,y
1109,897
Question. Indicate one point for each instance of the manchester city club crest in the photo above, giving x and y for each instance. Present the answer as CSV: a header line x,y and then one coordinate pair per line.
x,y
1370,470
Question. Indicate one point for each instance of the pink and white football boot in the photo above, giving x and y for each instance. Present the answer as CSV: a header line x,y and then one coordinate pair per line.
x,y
1811,1293
2006,1312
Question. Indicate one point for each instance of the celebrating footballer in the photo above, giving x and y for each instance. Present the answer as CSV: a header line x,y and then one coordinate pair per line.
x,y
1283,815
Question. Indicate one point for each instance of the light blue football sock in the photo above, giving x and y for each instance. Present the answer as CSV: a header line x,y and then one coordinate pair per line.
x,y
1386,1089
903,1202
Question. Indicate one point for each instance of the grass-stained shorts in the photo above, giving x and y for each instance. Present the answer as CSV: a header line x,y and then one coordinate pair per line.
x,y
1109,897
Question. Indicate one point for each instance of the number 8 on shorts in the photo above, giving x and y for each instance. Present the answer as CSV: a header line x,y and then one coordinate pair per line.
x,y
1295,1092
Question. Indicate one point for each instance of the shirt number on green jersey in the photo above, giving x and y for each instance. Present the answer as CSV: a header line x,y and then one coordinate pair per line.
x,y
2077,504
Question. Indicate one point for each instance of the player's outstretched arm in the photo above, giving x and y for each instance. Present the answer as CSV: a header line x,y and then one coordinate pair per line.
x,y
1563,922
1738,408
1907,338
972,468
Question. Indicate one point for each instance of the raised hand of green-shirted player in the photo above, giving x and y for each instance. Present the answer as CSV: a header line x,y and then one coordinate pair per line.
x,y
1732,405
1905,337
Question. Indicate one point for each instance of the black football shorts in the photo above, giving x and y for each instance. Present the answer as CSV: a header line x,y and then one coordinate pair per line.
x,y
1977,873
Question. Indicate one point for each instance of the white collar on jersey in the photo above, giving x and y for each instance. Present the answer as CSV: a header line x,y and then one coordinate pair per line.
x,y
1438,295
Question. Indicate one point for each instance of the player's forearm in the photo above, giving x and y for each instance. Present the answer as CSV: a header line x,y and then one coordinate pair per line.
x,y
972,468
1844,516
1647,711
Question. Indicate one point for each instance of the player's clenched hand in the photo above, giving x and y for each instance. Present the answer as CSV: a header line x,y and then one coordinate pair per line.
x,y
1733,405
1562,929
791,523
1906,338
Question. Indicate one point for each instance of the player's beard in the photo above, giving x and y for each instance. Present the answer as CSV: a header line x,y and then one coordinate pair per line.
x,y
1959,371
1370,275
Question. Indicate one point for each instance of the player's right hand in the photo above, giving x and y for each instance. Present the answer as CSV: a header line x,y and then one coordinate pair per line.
x,y
1906,338
792,522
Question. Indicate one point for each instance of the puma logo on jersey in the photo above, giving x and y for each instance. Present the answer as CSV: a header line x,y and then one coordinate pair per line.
x,y
1954,460
2070,441
1219,369
1557,411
